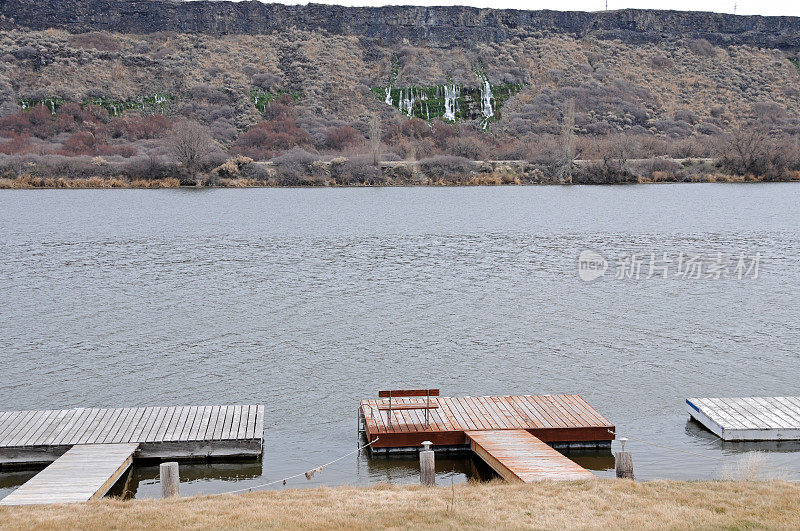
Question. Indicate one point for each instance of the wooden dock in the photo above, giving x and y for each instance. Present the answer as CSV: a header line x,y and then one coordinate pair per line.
x,y
187,432
514,435
560,420
772,418
519,457
85,472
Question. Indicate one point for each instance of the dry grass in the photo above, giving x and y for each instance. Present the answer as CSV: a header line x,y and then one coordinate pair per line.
x,y
28,182
593,504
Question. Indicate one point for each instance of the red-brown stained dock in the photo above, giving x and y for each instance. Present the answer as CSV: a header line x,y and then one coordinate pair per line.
x,y
551,418
519,457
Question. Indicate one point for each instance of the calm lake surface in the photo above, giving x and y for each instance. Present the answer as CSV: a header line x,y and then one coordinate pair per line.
x,y
307,300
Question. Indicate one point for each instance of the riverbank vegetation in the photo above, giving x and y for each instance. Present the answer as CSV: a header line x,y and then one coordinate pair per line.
x,y
603,504
312,109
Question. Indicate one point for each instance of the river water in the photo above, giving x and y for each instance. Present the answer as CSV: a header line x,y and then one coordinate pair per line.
x,y
307,300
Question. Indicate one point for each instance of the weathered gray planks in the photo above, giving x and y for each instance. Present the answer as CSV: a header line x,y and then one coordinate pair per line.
x,y
84,473
748,418
178,431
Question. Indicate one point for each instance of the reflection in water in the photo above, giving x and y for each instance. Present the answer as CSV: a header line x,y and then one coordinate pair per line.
x,y
142,480
695,429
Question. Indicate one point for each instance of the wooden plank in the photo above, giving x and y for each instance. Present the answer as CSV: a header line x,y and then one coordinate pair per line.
x,y
187,426
83,473
251,422
259,431
155,425
519,457
199,431
20,421
125,435
126,417
101,431
22,434
162,429
241,431
139,433
42,428
79,423
224,411
176,424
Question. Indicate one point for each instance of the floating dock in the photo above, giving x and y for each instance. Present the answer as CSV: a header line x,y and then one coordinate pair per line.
x,y
515,435
772,418
90,448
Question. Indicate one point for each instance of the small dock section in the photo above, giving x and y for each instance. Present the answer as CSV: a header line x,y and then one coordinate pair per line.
x,y
85,472
773,418
519,457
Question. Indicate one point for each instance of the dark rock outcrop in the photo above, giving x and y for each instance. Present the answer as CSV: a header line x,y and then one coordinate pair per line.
x,y
442,26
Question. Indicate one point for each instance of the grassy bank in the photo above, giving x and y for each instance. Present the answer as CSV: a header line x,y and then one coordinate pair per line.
x,y
594,504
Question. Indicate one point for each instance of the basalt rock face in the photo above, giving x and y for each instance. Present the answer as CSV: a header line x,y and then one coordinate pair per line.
x,y
441,26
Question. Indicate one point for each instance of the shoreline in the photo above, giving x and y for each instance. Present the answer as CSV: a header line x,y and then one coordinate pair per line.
x,y
241,172
551,505
117,184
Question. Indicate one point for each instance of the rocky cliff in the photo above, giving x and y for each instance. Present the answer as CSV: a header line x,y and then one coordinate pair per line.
x,y
441,26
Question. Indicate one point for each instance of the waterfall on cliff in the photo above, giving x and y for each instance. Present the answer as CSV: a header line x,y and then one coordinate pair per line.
x,y
388,99
486,99
451,95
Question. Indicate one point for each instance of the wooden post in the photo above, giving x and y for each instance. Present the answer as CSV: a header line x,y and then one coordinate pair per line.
x,y
170,479
624,462
427,465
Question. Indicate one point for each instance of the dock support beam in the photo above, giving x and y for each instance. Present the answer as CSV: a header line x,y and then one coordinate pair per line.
x,y
427,466
170,479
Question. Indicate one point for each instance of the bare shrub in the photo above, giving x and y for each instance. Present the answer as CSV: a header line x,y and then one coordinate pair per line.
x,y
701,47
659,62
297,168
457,169
339,138
191,145
749,150
99,40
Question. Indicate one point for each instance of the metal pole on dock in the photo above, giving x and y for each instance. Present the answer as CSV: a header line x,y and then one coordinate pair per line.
x,y
624,462
170,479
427,465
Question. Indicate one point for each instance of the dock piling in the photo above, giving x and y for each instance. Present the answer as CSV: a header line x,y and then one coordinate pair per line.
x,y
170,479
624,462
427,465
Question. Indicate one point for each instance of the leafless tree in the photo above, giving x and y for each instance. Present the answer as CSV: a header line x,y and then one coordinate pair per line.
x,y
375,139
749,151
567,143
191,144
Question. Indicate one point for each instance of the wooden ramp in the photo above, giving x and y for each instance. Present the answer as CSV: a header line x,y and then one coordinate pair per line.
x,y
519,457
183,432
84,473
771,418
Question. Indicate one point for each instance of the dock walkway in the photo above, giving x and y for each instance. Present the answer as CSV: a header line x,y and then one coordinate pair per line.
x,y
84,473
769,418
519,457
